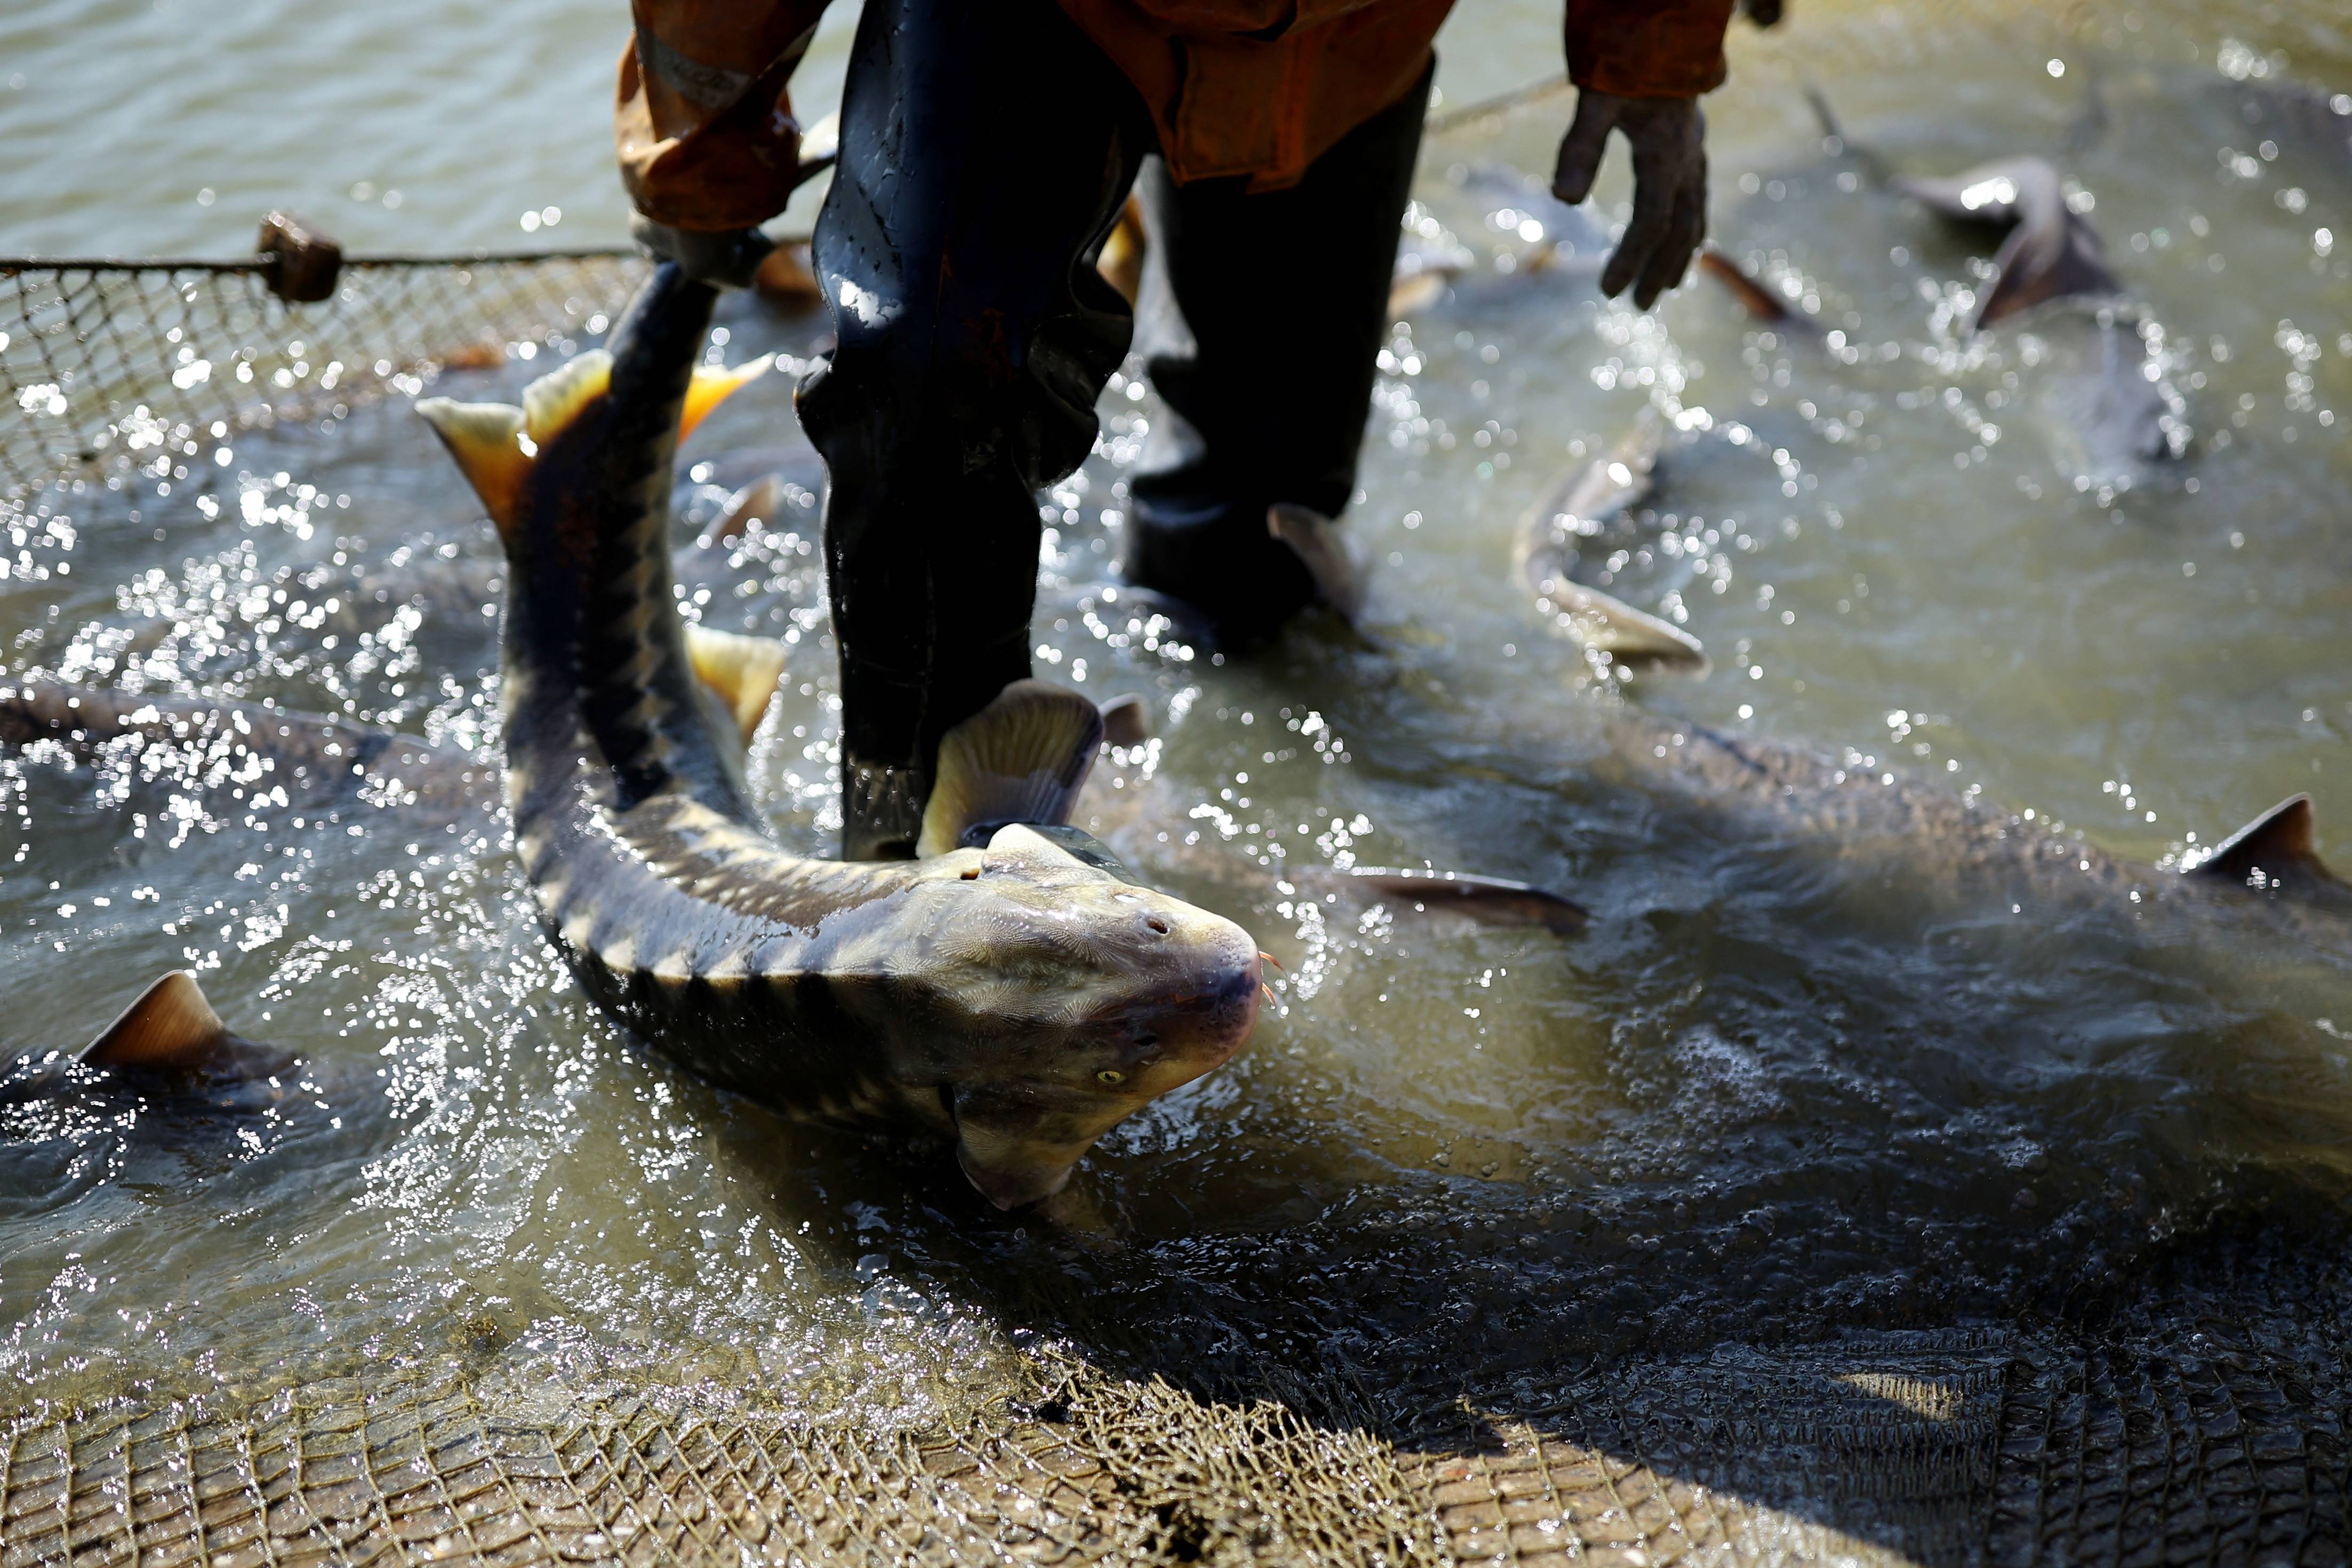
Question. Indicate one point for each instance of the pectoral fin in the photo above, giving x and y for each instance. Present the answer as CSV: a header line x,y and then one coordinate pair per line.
x,y
1023,758
483,438
712,386
2274,849
1489,900
171,1025
1591,619
1760,303
741,670
1330,557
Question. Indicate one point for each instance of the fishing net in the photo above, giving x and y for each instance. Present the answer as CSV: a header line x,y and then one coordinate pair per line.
x,y
106,366
2196,1422
2204,1427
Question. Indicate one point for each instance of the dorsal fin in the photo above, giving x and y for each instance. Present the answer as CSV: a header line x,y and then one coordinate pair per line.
x,y
1023,758
171,1025
555,399
482,438
743,670
1329,555
712,385
2278,843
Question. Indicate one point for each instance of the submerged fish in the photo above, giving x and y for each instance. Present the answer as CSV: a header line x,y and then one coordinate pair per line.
x,y
1005,989
1546,552
2097,373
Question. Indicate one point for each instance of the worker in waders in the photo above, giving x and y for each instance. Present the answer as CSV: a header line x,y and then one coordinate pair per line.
x,y
987,148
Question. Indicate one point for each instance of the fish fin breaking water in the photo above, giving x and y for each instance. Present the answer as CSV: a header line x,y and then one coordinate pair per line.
x,y
2273,850
1023,758
712,385
755,502
741,671
172,1025
1760,303
1635,638
2049,253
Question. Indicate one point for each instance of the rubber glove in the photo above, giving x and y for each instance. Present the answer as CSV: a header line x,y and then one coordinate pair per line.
x,y
725,260
1668,137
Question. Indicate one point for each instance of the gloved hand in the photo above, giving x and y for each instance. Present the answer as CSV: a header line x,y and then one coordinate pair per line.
x,y
1668,136
726,259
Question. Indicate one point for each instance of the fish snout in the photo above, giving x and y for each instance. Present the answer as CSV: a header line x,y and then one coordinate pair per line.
x,y
1201,1023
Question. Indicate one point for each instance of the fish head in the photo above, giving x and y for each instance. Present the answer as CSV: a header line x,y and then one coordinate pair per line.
x,y
1059,998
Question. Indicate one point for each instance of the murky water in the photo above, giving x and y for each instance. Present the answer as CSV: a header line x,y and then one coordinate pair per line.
x,y
1775,1088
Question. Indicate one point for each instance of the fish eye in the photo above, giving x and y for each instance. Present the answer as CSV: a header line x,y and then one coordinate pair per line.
x,y
1110,1075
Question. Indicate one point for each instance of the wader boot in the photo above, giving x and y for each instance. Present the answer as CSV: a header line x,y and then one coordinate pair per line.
x,y
1260,321
986,152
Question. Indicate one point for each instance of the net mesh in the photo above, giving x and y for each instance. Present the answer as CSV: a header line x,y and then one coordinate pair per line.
x,y
2195,1427
2208,1436
106,367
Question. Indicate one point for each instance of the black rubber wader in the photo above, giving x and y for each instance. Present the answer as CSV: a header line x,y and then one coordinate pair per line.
x,y
985,153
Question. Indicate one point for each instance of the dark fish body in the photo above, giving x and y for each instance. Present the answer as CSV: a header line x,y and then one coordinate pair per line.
x,y
1009,993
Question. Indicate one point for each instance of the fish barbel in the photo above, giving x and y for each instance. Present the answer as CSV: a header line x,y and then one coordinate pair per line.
x,y
1004,990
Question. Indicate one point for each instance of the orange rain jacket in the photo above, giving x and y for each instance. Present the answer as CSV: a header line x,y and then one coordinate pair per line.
x,y
1256,88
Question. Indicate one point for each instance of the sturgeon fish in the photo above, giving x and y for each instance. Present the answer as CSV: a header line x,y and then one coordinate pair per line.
x,y
1009,990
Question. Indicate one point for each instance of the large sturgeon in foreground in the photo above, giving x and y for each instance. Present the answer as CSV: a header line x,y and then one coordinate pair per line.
x,y
1003,989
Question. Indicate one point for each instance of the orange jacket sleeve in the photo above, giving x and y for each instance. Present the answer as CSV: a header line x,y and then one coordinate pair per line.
x,y
1647,48
703,122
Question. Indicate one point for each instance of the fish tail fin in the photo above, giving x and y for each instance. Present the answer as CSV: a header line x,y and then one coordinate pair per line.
x,y
170,1025
1023,758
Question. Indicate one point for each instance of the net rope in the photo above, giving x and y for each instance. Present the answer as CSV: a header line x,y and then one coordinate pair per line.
x,y
108,366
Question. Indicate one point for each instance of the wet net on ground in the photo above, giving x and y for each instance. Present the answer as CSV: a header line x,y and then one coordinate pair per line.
x,y
2193,1426
106,366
